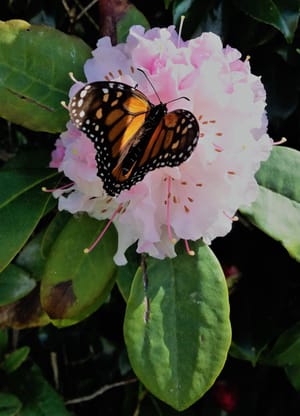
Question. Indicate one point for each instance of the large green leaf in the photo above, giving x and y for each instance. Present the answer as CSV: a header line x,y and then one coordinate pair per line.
x,y
53,230
34,66
14,182
277,208
18,219
182,348
281,14
74,283
15,283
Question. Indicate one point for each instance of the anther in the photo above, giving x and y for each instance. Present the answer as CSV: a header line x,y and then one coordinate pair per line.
x,y
64,105
188,250
281,141
231,218
71,75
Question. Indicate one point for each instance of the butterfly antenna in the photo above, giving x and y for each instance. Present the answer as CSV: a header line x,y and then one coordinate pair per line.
x,y
148,79
158,97
178,98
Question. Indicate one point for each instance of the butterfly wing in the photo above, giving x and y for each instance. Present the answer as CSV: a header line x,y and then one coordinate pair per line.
x,y
131,136
111,114
172,142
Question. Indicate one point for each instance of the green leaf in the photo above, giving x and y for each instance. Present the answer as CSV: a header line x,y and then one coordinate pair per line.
x,y
281,14
181,350
125,274
246,352
132,17
18,220
36,394
31,259
3,341
34,66
15,283
10,405
25,313
53,231
286,350
276,211
167,3
14,182
15,359
293,374
28,158
75,284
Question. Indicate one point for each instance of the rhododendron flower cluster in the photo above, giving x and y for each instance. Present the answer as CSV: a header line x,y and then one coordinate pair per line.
x,y
199,198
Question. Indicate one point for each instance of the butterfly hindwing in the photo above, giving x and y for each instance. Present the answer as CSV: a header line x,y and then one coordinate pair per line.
x,y
172,141
131,135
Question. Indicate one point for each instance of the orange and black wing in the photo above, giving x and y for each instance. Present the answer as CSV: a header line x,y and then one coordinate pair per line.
x,y
131,135
171,142
111,114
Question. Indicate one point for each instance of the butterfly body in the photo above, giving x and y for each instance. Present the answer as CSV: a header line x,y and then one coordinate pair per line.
x,y
131,135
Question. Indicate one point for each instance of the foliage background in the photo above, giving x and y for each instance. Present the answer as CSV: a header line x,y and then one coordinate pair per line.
x,y
265,309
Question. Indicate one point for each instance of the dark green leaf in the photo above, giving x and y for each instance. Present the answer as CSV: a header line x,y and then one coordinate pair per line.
x,y
277,208
53,231
34,66
3,341
15,359
18,220
246,352
281,14
10,405
31,259
75,284
167,3
181,350
125,274
293,374
36,394
14,182
286,351
29,159
15,283
132,17
200,16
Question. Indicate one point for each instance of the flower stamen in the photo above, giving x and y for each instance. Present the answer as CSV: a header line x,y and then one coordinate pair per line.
x,y
92,246
281,141
61,188
180,30
233,219
188,250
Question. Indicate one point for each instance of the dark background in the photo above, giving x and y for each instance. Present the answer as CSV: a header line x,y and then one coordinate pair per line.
x,y
265,297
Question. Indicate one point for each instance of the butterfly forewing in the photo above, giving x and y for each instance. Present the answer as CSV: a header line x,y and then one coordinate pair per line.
x,y
111,114
131,135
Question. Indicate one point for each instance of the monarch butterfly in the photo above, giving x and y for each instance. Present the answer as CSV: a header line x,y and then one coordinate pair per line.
x,y
131,135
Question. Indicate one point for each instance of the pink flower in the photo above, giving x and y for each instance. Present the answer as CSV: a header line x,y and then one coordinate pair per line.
x,y
199,198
